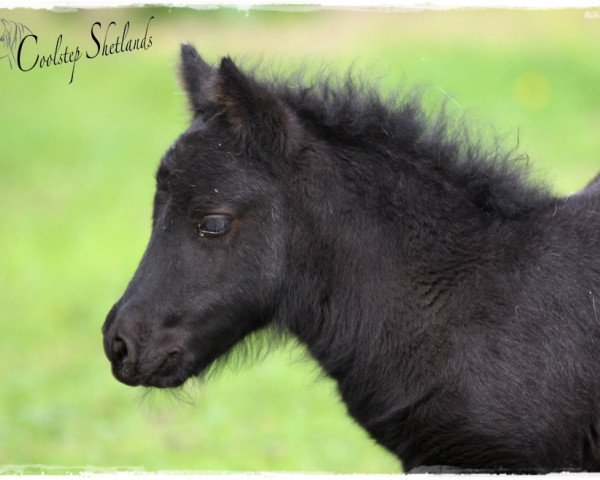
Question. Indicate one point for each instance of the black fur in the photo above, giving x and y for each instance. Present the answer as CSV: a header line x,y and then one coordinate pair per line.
x,y
456,305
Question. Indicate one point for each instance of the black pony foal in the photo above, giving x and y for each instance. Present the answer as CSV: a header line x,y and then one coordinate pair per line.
x,y
456,306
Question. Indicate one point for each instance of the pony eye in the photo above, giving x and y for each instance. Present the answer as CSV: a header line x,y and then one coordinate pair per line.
x,y
214,226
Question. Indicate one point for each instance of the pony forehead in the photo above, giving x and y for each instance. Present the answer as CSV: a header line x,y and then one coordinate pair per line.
x,y
195,149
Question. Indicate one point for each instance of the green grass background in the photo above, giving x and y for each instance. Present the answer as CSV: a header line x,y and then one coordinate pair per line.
x,y
76,182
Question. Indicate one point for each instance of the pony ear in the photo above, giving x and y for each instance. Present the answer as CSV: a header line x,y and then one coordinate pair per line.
x,y
257,118
194,74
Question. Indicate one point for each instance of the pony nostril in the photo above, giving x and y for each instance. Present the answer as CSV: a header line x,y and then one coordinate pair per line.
x,y
123,360
119,348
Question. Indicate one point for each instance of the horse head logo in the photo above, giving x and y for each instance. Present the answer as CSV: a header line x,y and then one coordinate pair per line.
x,y
11,34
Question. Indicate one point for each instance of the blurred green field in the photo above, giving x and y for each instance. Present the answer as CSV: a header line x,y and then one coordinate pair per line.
x,y
76,183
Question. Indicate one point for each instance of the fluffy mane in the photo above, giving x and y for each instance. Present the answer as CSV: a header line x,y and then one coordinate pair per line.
x,y
351,113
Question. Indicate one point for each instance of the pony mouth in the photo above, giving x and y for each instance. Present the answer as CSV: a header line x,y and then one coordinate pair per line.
x,y
173,376
164,371
172,371
172,379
